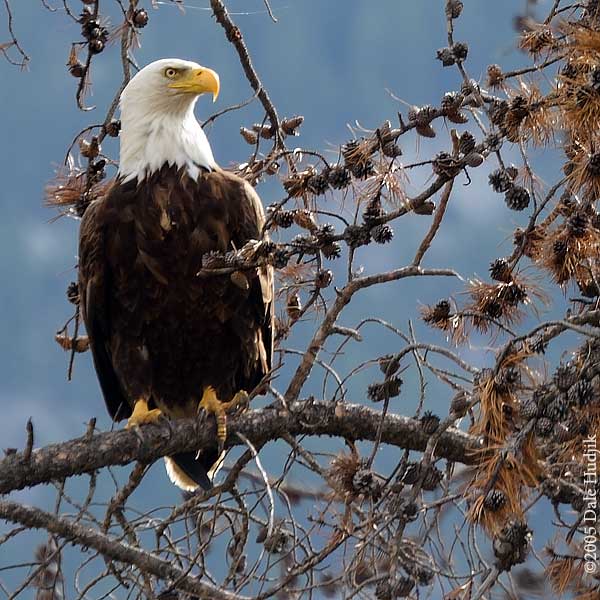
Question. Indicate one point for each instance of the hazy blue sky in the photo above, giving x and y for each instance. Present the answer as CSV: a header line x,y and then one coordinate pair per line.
x,y
330,60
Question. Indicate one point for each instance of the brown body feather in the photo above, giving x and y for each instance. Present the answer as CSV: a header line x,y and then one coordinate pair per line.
x,y
157,331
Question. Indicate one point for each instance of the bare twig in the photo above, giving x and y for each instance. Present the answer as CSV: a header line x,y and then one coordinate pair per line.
x,y
234,35
14,41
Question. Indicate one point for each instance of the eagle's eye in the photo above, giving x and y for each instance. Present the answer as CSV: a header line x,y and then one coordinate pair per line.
x,y
170,72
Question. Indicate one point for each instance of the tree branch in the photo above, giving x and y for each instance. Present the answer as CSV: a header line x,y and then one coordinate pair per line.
x,y
110,547
234,35
14,42
345,421
343,298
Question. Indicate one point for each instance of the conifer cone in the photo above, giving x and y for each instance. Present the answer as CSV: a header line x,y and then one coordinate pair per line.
x,y
508,378
452,102
388,389
445,165
318,184
281,218
493,142
113,128
140,18
578,224
411,473
325,232
363,170
460,50
332,250
438,314
383,590
459,405
290,124
470,87
348,149
529,410
517,198
466,142
544,427
323,278
432,478
391,150
544,394
498,111
429,422
389,364
558,410
373,210
560,249
304,218
73,293
500,270
565,376
446,56
454,9
382,234
357,235
500,181
561,433
339,177
495,76
511,545
364,482
582,394
495,500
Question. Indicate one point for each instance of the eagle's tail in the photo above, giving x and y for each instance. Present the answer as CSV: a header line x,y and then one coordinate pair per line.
x,y
187,470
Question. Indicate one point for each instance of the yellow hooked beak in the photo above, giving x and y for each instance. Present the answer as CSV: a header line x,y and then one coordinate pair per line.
x,y
198,81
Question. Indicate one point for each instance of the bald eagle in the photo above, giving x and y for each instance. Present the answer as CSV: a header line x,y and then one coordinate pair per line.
x,y
165,341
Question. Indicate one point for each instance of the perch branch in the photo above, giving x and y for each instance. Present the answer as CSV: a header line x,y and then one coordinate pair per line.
x,y
346,421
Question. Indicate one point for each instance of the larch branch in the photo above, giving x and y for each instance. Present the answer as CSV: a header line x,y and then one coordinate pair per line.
x,y
310,417
111,548
234,35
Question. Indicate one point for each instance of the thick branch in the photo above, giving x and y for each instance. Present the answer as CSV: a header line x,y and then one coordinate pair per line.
x,y
34,518
90,453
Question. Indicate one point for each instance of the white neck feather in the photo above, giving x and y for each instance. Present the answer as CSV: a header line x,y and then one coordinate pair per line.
x,y
156,131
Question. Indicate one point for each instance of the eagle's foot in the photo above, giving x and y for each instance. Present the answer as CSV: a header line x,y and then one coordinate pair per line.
x,y
211,404
142,415
241,399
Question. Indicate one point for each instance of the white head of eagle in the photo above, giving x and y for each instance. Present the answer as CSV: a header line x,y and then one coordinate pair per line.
x,y
158,125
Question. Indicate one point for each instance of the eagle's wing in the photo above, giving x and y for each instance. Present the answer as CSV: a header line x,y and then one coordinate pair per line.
x,y
94,294
262,293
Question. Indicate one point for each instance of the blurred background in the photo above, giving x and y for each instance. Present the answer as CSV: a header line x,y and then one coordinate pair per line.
x,y
333,61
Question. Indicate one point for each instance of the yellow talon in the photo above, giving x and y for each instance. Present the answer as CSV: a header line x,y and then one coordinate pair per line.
x,y
241,398
141,415
211,404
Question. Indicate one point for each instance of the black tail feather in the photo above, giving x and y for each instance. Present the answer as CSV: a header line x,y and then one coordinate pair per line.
x,y
196,469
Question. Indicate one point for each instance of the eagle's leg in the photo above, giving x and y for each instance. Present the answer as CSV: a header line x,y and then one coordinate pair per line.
x,y
141,414
211,404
